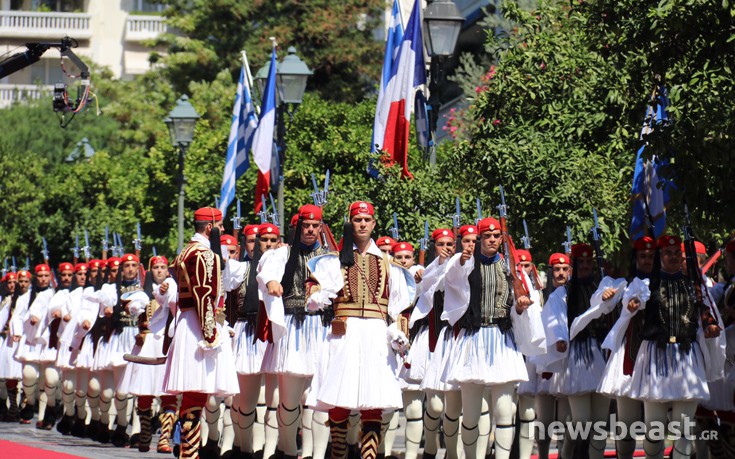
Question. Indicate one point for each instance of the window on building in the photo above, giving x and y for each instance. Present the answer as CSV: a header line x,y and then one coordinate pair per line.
x,y
147,6
47,71
64,6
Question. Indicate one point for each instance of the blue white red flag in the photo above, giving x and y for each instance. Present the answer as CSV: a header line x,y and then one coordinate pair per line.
x,y
242,129
403,74
263,138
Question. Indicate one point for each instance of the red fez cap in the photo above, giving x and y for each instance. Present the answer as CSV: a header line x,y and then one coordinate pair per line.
x,y
208,214
730,247
310,212
558,259
467,229
130,257
385,240
250,230
42,267
66,266
294,221
668,241
95,264
113,261
226,239
488,224
157,260
644,243
9,276
80,267
361,207
523,255
442,232
402,247
582,251
24,273
269,228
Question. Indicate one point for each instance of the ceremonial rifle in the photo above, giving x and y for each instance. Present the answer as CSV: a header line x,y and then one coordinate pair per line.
x,y
511,271
236,227
75,250
263,214
44,252
86,248
120,246
274,215
5,266
456,223
526,240
568,244
423,242
597,244
28,264
104,243
320,200
394,229
479,212
697,287
14,267
138,244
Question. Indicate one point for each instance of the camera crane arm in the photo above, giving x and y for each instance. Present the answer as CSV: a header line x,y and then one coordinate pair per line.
x,y
33,54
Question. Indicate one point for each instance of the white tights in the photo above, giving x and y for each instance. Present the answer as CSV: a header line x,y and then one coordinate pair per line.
x,y
475,400
588,408
656,412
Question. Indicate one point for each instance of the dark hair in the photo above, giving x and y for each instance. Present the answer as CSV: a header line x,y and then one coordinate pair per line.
x,y
243,250
252,300
216,245
200,226
148,284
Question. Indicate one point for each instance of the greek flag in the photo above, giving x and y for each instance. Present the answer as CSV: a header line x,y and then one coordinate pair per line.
x,y
244,123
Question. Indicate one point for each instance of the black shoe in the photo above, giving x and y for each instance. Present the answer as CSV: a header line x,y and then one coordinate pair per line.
x,y
429,456
49,419
176,450
65,425
258,454
79,429
134,440
120,437
209,450
27,413
3,407
103,434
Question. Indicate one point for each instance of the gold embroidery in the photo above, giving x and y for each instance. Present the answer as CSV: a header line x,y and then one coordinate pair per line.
x,y
209,262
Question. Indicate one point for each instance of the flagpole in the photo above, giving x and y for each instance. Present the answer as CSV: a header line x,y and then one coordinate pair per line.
x,y
249,76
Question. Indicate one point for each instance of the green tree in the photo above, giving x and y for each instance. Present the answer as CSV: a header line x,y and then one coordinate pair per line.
x,y
335,38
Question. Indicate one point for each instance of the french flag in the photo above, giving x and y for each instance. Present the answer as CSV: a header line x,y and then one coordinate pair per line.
x,y
395,102
263,137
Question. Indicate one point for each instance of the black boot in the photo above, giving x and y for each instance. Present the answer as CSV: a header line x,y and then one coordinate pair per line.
x,y
49,419
27,413
120,437
3,407
210,450
103,434
134,440
12,414
65,425
79,429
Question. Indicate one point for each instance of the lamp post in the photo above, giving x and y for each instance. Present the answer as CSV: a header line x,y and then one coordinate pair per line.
x,y
291,77
442,24
181,122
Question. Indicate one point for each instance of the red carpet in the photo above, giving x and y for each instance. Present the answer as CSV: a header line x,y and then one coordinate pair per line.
x,y
638,453
9,449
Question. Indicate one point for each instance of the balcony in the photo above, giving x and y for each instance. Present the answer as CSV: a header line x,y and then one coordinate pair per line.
x,y
31,24
14,93
139,28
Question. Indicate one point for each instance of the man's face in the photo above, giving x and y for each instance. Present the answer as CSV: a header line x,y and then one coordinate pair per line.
x,y
363,227
491,242
10,284
310,231
268,242
584,267
468,242
671,259
113,273
65,278
218,224
560,274
526,266
23,284
385,248
404,258
443,243
250,245
644,260
81,277
231,251
160,272
43,279
130,270
93,273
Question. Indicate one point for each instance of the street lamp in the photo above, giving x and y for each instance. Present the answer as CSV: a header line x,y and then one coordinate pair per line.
x,y
291,76
181,122
442,24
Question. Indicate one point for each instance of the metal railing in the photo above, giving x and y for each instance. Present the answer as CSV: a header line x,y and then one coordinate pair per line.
x,y
32,24
14,93
139,28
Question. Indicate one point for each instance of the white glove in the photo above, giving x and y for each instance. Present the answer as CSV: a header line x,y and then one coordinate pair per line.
x,y
397,339
319,300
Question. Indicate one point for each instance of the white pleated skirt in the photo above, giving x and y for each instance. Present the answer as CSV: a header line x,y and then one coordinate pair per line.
x,y
358,371
614,382
721,394
296,352
248,349
487,357
120,344
64,357
190,368
436,374
10,368
583,370
669,374
84,357
29,352
140,379
418,357
529,387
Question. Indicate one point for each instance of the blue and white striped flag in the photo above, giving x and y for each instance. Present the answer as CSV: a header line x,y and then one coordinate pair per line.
x,y
244,123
